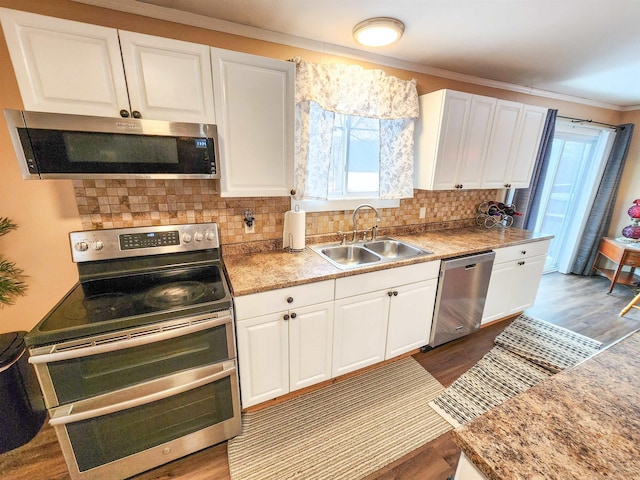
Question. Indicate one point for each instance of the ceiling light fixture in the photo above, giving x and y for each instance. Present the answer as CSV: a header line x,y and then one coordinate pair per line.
x,y
378,32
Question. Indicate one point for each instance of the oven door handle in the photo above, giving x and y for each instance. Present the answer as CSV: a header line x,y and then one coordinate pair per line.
x,y
113,402
127,340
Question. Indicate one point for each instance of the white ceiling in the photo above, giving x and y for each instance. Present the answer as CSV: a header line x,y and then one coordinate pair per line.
x,y
588,49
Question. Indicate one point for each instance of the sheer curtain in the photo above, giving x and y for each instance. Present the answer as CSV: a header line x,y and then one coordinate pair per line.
x,y
602,209
321,91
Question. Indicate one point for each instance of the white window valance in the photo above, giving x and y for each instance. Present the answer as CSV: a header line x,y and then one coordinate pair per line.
x,y
321,91
352,90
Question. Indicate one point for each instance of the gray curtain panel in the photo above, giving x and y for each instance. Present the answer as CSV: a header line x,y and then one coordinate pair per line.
x,y
526,200
600,216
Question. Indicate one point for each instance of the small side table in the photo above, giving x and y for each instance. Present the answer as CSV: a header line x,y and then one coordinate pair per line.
x,y
622,255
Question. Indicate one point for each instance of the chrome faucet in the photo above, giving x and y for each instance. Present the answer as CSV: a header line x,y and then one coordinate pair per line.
x,y
355,220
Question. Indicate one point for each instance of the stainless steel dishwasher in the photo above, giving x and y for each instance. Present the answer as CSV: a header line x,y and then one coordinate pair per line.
x,y
462,290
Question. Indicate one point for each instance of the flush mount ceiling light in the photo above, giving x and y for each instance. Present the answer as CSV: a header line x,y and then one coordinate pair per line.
x,y
378,32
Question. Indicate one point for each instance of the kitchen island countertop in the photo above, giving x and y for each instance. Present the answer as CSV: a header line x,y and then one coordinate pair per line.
x,y
256,272
583,424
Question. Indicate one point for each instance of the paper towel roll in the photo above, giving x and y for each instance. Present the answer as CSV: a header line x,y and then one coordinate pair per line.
x,y
294,230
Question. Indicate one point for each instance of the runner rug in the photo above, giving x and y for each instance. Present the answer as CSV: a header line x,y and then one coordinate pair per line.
x,y
526,352
347,430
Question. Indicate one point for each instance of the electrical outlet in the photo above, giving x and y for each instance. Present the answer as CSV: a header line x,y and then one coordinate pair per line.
x,y
423,212
250,229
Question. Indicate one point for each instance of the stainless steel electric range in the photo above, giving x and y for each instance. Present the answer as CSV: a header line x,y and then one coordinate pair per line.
x,y
137,362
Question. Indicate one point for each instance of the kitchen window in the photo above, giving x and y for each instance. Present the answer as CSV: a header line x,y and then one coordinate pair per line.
x,y
355,159
354,137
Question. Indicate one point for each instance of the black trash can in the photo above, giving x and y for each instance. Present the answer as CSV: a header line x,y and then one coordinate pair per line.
x,y
22,410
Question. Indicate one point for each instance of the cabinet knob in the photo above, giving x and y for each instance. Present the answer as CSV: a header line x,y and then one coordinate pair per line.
x,y
524,252
521,263
395,293
289,299
294,315
390,293
136,114
124,113
286,316
292,192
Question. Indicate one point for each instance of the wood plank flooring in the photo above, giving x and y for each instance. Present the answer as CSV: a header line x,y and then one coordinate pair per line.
x,y
580,304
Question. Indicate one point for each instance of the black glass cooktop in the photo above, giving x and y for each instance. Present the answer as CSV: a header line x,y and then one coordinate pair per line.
x,y
106,304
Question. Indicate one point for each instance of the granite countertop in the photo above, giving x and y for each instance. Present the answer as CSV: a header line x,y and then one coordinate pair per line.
x,y
256,272
583,423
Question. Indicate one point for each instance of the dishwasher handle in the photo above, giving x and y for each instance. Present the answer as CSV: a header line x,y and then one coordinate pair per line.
x,y
468,262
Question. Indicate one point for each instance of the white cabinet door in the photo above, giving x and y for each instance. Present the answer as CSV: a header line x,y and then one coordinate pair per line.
x,y
455,114
503,132
310,345
439,139
498,302
254,106
263,358
476,142
64,66
526,280
410,317
526,146
514,283
360,330
168,79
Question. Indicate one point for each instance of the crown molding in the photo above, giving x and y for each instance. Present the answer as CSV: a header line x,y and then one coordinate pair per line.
x,y
201,21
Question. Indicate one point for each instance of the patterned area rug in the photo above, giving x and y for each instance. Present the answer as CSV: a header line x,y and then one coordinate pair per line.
x,y
526,352
344,431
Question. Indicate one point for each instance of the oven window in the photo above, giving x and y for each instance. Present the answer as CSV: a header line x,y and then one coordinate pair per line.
x,y
101,440
92,375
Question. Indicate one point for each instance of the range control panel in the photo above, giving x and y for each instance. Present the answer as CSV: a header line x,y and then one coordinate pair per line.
x,y
92,245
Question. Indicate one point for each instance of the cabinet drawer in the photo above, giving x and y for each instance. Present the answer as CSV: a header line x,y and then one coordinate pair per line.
x,y
262,303
524,250
370,282
631,259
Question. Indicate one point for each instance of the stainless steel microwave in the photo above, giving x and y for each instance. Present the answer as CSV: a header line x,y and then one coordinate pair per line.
x,y
54,145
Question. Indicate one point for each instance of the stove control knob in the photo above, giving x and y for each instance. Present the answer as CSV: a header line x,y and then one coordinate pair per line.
x,y
210,235
186,238
98,245
198,236
81,246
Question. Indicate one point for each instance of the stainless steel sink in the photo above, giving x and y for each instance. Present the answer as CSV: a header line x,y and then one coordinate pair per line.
x,y
347,256
392,248
384,249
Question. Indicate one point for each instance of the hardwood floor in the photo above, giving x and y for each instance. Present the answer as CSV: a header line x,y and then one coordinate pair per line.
x,y
577,303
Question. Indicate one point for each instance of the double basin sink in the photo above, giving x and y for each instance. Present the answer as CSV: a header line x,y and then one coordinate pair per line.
x,y
361,254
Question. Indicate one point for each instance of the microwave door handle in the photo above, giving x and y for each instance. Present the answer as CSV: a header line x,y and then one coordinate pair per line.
x,y
126,342
74,413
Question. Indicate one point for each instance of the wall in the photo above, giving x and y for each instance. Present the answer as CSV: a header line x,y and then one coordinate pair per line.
x,y
47,211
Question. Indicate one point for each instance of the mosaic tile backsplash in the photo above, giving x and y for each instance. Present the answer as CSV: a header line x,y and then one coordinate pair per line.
x,y
129,203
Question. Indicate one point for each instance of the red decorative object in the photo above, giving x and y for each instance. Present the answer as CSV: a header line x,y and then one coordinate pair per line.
x,y
634,211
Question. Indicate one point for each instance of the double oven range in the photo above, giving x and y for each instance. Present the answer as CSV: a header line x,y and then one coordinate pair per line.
x,y
137,362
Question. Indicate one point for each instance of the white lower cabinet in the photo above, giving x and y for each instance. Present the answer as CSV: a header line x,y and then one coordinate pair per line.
x,y
515,278
382,314
284,340
360,331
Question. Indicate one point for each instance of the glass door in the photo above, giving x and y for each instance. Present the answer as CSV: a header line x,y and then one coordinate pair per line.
x,y
578,156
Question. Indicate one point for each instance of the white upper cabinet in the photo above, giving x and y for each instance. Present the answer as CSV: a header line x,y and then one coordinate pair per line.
x,y
465,141
64,66
254,99
452,135
168,79
514,146
526,146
